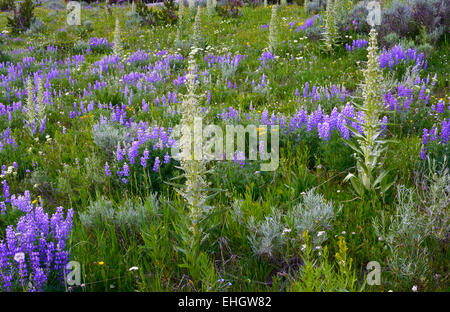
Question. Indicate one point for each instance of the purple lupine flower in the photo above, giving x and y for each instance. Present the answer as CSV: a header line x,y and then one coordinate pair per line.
x,y
440,106
144,158
324,130
425,137
433,134
107,170
423,153
133,152
125,170
156,165
119,153
261,150
445,131
239,158
305,90
144,105
406,104
5,190
422,92
166,158
28,253
265,117
384,122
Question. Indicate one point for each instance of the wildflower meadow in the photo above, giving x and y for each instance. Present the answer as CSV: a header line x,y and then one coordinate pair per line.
x,y
224,146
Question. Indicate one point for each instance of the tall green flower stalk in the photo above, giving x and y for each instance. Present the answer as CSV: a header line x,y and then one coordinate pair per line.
x,y
31,106
337,9
41,105
196,185
191,5
370,178
265,3
341,10
194,170
35,117
330,26
346,6
283,3
117,49
209,8
180,11
180,25
197,28
273,31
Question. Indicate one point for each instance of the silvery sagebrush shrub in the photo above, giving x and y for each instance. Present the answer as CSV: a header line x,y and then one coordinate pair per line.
x,y
80,47
133,19
314,7
405,18
36,27
431,13
435,195
397,18
421,215
404,233
314,33
87,23
265,236
97,213
269,236
129,214
311,214
391,39
54,4
106,137
228,70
